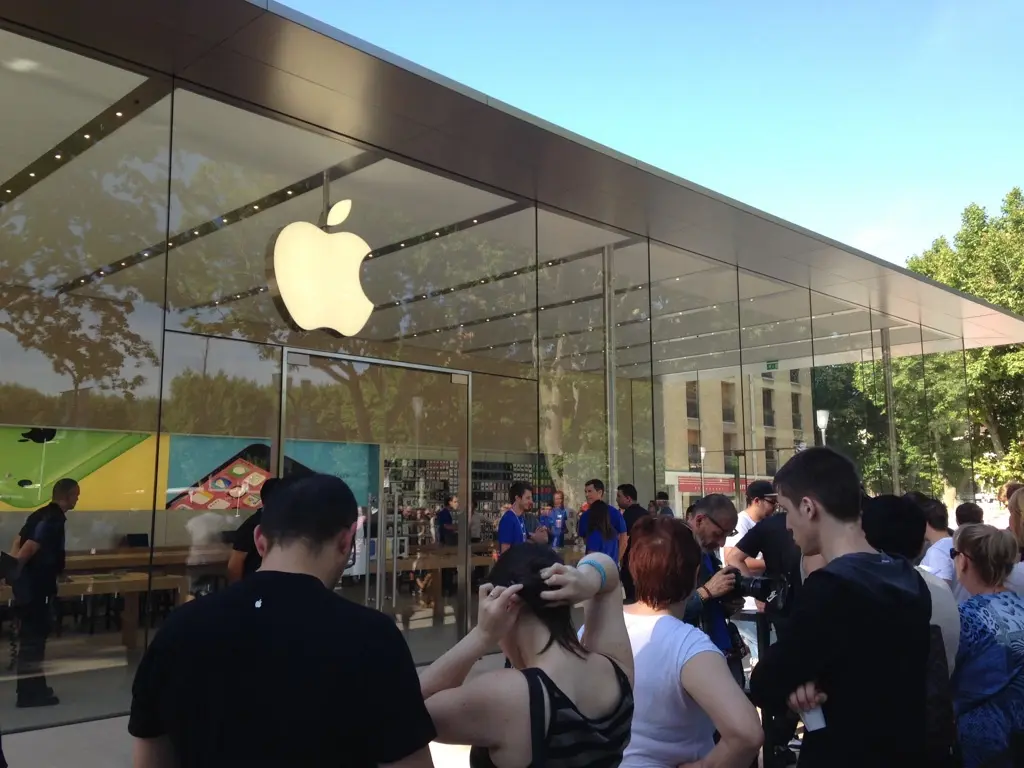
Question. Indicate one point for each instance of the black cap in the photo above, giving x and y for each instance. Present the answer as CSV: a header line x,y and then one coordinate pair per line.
x,y
760,489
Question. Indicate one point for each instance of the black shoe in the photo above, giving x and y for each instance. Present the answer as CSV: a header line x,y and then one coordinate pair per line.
x,y
46,700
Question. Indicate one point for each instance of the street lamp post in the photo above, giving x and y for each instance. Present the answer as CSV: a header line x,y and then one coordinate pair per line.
x,y
703,453
417,410
822,419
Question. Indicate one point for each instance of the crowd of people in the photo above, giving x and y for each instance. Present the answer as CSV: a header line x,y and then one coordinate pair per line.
x,y
896,644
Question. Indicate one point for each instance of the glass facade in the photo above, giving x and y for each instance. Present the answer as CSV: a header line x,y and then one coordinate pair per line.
x,y
148,352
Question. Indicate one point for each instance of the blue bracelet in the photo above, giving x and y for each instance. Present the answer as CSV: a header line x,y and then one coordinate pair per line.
x,y
596,566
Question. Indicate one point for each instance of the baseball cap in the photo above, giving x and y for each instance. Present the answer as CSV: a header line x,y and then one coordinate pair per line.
x,y
760,489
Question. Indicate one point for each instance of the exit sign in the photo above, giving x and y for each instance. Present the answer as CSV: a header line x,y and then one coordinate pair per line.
x,y
772,365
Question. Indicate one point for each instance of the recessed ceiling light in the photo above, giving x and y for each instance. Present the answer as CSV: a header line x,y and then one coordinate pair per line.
x,y
101,273
483,281
82,280
57,156
146,253
437,234
32,175
574,301
487,320
195,231
401,245
474,221
22,65
119,114
290,192
123,264
87,136
8,191
255,207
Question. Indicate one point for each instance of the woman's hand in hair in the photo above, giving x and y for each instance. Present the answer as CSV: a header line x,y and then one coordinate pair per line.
x,y
498,611
568,585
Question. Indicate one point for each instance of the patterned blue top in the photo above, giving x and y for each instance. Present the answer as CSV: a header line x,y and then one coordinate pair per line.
x,y
988,683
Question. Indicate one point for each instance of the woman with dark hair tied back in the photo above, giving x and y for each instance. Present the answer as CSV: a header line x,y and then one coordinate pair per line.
x,y
603,530
566,701
684,689
988,684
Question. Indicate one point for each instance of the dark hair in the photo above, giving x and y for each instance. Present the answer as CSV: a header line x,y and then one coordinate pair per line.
x,y
713,505
270,486
63,487
1009,489
312,509
629,491
934,510
824,475
522,564
894,525
517,490
663,559
596,484
969,512
661,496
600,519
450,497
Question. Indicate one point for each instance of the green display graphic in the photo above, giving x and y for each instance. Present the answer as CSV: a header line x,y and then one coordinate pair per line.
x,y
32,459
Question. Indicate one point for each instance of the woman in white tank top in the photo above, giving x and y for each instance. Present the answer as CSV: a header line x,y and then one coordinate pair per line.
x,y
683,689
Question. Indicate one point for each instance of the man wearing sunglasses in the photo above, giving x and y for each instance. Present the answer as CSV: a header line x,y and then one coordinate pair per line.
x,y
714,520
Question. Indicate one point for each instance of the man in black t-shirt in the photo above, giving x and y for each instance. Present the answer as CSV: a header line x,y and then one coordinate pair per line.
x,y
278,670
245,560
773,543
41,554
626,497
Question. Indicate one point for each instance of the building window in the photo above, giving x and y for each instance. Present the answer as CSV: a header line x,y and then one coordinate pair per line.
x,y
794,376
692,401
798,417
693,449
732,461
768,405
728,402
771,456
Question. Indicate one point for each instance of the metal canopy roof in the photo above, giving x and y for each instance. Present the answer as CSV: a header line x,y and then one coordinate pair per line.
x,y
267,55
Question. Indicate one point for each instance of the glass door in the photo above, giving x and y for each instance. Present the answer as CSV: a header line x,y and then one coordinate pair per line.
x,y
399,436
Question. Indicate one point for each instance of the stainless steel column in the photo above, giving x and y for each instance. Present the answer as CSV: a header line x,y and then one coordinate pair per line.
x,y
380,566
890,411
607,266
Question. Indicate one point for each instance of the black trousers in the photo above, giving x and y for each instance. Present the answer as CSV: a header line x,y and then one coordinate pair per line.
x,y
628,587
36,623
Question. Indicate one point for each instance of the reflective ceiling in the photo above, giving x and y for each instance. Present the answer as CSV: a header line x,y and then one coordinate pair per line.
x,y
89,152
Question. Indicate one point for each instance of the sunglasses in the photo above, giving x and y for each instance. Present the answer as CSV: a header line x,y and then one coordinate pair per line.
x,y
954,553
718,525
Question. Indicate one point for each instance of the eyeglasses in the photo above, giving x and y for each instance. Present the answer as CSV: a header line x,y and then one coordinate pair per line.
x,y
953,553
719,527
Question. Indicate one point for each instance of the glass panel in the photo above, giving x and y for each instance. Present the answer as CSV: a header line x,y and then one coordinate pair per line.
x,y
945,382
83,187
696,367
449,269
631,310
902,339
776,347
571,326
399,438
848,397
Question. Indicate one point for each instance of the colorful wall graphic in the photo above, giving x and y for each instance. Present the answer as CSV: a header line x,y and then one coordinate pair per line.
x,y
116,469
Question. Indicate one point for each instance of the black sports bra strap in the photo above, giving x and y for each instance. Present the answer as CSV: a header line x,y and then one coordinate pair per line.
x,y
538,718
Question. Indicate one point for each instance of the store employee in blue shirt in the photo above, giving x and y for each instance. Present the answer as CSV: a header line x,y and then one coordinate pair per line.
x,y
559,520
512,527
602,526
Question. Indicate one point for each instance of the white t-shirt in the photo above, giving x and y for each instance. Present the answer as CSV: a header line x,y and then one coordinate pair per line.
x,y
743,524
939,561
945,614
669,727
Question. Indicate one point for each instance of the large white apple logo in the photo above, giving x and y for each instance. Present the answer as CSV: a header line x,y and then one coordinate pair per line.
x,y
317,274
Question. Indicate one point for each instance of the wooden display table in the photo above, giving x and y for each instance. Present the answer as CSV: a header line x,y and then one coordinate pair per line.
x,y
129,584
138,557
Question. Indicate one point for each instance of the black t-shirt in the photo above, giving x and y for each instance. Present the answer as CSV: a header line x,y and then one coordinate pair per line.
x,y
244,542
773,542
38,578
278,671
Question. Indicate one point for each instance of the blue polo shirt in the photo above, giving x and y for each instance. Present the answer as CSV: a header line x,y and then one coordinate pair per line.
x,y
511,529
558,520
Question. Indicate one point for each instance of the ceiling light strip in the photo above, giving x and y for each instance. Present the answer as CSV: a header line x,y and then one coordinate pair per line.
x,y
128,107
248,210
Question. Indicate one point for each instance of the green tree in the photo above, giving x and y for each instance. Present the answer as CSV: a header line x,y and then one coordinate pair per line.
x,y
986,259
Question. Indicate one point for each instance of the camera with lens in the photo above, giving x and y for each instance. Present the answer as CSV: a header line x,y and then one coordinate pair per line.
x,y
772,591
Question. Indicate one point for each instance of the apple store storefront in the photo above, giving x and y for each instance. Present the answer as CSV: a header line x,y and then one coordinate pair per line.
x,y
242,246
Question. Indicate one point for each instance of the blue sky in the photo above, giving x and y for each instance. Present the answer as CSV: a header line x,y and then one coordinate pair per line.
x,y
872,122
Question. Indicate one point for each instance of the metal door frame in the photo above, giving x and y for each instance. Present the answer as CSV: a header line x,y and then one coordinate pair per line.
x,y
465,548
